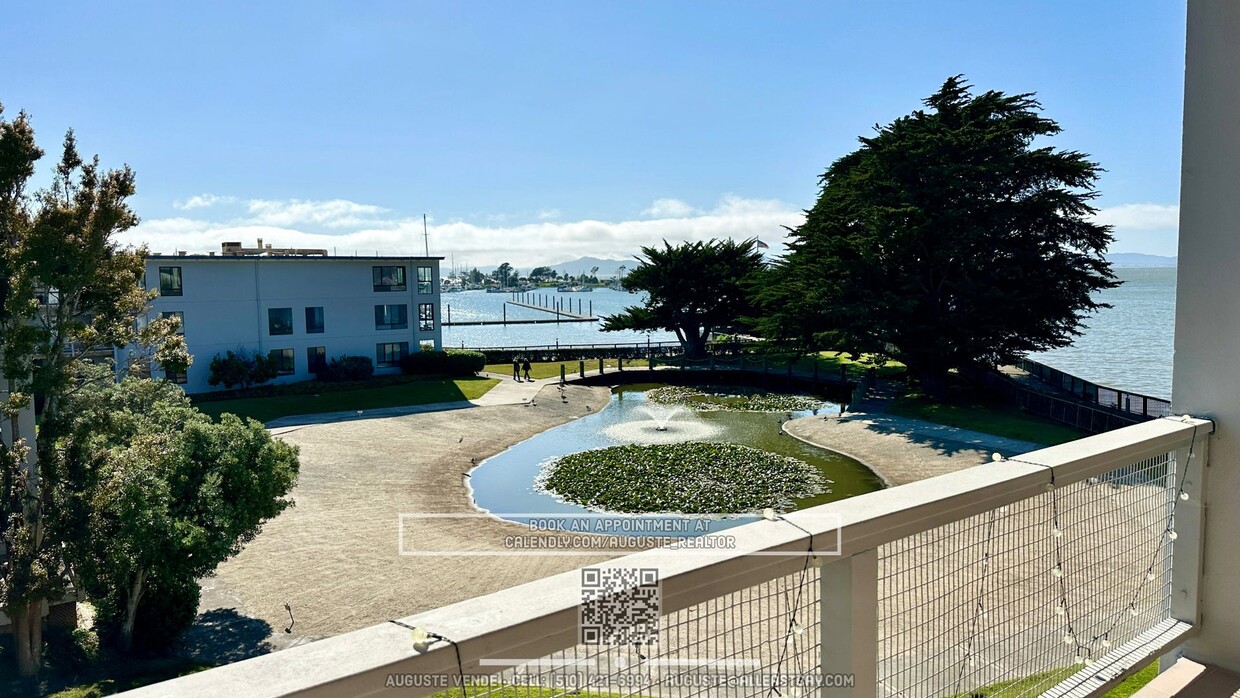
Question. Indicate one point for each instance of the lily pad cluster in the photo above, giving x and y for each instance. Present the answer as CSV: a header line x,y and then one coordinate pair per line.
x,y
685,478
709,399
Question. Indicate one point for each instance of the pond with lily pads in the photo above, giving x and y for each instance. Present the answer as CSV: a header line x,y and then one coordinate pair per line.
x,y
666,457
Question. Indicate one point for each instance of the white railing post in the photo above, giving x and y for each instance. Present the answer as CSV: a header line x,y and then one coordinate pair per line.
x,y
1187,551
848,598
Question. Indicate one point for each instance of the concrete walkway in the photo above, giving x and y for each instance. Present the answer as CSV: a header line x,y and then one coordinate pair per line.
x,y
902,450
507,392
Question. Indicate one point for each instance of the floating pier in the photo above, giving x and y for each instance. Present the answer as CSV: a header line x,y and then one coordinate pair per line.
x,y
547,304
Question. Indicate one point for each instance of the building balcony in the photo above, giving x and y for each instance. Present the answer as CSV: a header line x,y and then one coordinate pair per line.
x,y
1058,573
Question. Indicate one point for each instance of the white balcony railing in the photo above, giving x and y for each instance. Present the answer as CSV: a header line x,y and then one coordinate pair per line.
x,y
1057,573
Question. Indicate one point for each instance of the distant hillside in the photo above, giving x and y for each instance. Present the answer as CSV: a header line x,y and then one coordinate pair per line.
x,y
1136,259
606,267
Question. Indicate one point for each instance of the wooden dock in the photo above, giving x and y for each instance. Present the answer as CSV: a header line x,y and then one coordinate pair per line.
x,y
541,321
554,310
560,316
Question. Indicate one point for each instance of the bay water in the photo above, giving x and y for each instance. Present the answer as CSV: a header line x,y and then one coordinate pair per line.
x,y
1127,346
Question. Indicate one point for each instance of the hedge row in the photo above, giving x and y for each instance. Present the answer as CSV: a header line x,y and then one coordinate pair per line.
x,y
452,363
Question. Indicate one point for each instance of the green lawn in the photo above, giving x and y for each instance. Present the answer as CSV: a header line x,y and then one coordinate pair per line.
x,y
989,417
551,369
829,363
1039,683
137,673
265,409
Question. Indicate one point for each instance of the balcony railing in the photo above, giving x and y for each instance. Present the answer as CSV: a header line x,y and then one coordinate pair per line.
x,y
1056,573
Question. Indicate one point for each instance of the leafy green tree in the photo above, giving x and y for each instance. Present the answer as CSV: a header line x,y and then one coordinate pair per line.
x,y
541,273
694,289
951,237
162,495
67,290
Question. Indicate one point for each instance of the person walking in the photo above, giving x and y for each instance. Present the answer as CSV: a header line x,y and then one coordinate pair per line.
x,y
516,369
526,367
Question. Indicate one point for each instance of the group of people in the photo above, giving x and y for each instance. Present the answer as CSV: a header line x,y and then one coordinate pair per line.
x,y
518,366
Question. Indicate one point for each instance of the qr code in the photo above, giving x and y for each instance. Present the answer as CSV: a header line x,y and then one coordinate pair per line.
x,y
619,606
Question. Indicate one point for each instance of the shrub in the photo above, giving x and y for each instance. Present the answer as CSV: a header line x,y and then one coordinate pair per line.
x,y
462,362
454,362
169,605
242,368
348,368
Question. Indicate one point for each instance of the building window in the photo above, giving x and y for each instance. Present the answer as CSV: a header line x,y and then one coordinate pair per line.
x,y
179,315
316,359
390,353
389,278
178,377
314,320
279,321
391,317
170,281
426,317
284,361
425,280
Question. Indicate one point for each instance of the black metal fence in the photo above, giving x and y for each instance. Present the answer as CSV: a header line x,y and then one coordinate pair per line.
x,y
616,350
1120,400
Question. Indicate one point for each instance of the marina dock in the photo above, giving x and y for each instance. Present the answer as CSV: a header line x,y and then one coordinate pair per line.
x,y
546,304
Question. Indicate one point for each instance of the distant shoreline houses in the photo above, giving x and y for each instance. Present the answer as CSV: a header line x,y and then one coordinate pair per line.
x,y
301,307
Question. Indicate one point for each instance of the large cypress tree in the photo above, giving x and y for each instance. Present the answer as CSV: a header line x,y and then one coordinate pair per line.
x,y
953,236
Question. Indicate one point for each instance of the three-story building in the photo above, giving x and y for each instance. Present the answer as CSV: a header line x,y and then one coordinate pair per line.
x,y
302,307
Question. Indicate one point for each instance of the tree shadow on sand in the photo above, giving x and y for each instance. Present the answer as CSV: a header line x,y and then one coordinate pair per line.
x,y
222,636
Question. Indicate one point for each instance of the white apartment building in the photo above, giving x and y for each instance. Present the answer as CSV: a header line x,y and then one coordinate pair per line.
x,y
303,307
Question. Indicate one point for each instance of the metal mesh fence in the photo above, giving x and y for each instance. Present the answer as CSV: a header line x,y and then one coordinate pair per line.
x,y
736,645
1007,603
1011,602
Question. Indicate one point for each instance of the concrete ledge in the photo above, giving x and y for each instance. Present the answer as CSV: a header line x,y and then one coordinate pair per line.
x,y
1188,679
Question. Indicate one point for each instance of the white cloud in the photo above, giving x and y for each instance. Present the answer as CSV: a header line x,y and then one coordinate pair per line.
x,y
203,201
1140,217
335,213
345,227
669,208
524,245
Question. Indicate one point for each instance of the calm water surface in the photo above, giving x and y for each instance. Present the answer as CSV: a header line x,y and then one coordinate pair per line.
x,y
504,484
1127,346
480,305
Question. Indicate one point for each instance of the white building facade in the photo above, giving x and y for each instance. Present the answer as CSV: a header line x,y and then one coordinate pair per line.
x,y
304,310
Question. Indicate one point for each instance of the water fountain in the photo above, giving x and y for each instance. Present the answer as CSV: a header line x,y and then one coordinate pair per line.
x,y
663,424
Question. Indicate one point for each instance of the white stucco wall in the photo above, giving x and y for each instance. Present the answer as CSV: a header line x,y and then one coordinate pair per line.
x,y
1206,378
225,302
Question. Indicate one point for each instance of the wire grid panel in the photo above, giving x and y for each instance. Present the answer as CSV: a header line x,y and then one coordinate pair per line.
x,y
736,645
1011,602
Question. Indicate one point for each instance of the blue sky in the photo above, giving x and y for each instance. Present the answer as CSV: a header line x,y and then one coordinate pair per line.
x,y
538,132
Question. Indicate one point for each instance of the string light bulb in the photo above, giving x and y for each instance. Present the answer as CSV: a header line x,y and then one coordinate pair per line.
x,y
1068,639
1057,571
1057,532
1172,534
1061,610
1184,496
